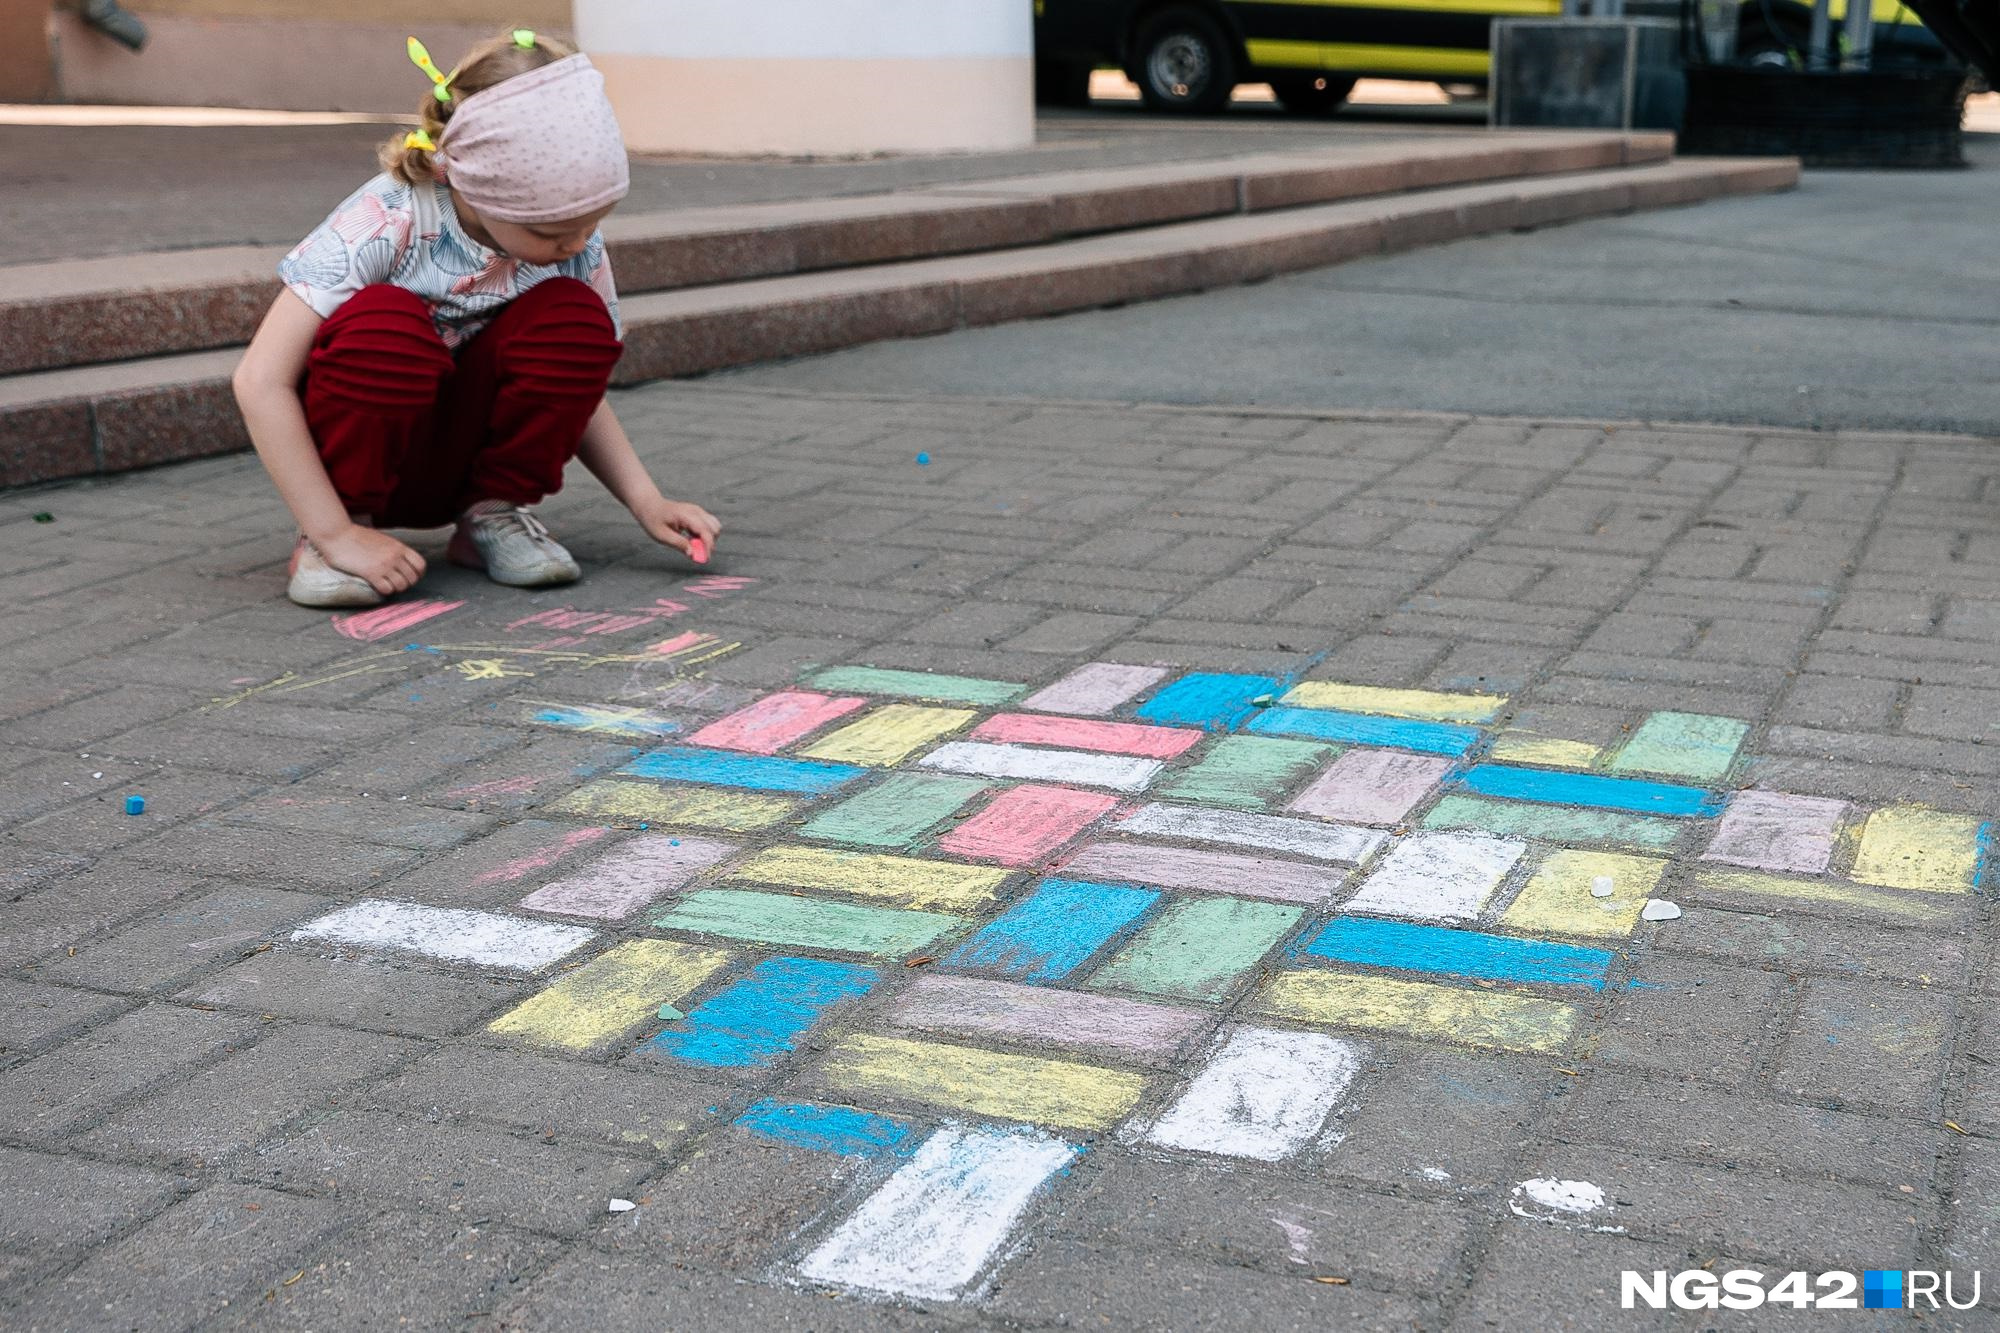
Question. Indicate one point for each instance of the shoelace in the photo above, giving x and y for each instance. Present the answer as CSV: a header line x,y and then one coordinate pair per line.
x,y
533,527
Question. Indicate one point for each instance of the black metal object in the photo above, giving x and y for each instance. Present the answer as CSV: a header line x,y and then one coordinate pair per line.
x,y
1828,118
1970,29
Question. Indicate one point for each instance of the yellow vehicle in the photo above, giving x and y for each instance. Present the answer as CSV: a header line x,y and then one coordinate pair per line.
x,y
1187,55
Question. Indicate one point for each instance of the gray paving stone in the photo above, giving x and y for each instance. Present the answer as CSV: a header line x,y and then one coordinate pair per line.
x,y
1541,1276
1696,1019
32,1016
458,1169
1438,1111
224,1247
279,859
87,1076
1238,1213
573,1102
168,947
1801,945
379,995
1868,1044
294,1071
399,1268
53,1207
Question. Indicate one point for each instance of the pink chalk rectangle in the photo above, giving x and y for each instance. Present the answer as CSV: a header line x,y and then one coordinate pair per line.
x,y
1009,1011
1372,786
774,721
1077,734
1026,824
1768,830
630,876
1205,872
1094,689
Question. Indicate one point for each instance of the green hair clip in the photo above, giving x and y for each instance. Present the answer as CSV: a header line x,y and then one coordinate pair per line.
x,y
524,38
422,60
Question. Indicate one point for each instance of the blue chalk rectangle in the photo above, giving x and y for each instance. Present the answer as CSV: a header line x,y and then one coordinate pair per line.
x,y
1549,788
675,763
1326,724
1459,953
834,1129
1209,699
754,1020
1050,934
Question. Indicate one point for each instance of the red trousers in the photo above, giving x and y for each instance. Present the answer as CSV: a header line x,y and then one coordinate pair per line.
x,y
411,435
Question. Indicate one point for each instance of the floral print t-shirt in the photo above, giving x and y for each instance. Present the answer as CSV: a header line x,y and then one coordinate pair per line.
x,y
410,236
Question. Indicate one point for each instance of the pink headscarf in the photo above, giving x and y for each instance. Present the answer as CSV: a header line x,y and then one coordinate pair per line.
x,y
539,147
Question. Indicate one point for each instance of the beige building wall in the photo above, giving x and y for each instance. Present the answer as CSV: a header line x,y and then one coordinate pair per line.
x,y
294,55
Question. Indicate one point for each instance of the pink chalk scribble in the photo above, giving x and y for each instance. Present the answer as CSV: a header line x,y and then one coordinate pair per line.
x,y
369,626
541,859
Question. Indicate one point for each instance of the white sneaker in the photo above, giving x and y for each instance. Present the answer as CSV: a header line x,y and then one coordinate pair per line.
x,y
512,546
315,583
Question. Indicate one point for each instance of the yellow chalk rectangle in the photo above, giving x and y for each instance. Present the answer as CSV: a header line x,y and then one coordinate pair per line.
x,y
1909,847
1558,900
1425,705
1008,1087
902,880
889,735
1418,1009
1525,747
676,807
1756,884
610,995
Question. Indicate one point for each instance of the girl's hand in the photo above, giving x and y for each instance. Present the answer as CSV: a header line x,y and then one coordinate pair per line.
x,y
389,566
673,522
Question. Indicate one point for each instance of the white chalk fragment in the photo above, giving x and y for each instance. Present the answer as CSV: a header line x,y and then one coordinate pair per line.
x,y
1602,887
1659,909
622,1206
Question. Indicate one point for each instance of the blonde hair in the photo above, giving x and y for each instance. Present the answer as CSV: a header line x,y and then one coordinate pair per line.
x,y
492,61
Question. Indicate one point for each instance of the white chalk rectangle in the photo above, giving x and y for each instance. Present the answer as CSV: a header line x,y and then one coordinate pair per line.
x,y
1094,690
940,1219
630,876
452,934
1299,837
1435,876
1263,1094
1116,771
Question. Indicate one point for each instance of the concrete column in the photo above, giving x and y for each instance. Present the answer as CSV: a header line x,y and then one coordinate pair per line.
x,y
815,77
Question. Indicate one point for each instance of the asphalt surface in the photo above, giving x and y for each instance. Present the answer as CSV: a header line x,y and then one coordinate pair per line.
x,y
1862,300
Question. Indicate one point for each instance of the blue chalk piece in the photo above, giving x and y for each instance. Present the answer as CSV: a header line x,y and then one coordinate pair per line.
x,y
1055,930
755,1019
1459,953
1325,724
1534,784
754,771
135,805
1214,700
923,460
834,1129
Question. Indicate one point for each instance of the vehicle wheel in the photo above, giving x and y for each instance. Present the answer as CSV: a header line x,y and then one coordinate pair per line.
x,y
1062,83
1184,62
1313,95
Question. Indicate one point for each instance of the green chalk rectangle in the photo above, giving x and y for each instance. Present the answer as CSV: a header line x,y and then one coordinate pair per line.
x,y
1248,772
895,813
1683,745
919,685
1553,823
808,923
1198,948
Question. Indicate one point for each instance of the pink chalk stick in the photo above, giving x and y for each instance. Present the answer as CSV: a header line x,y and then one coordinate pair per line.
x,y
1076,734
1769,830
1094,689
968,1006
1026,824
697,550
630,876
775,721
1209,872
1371,786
